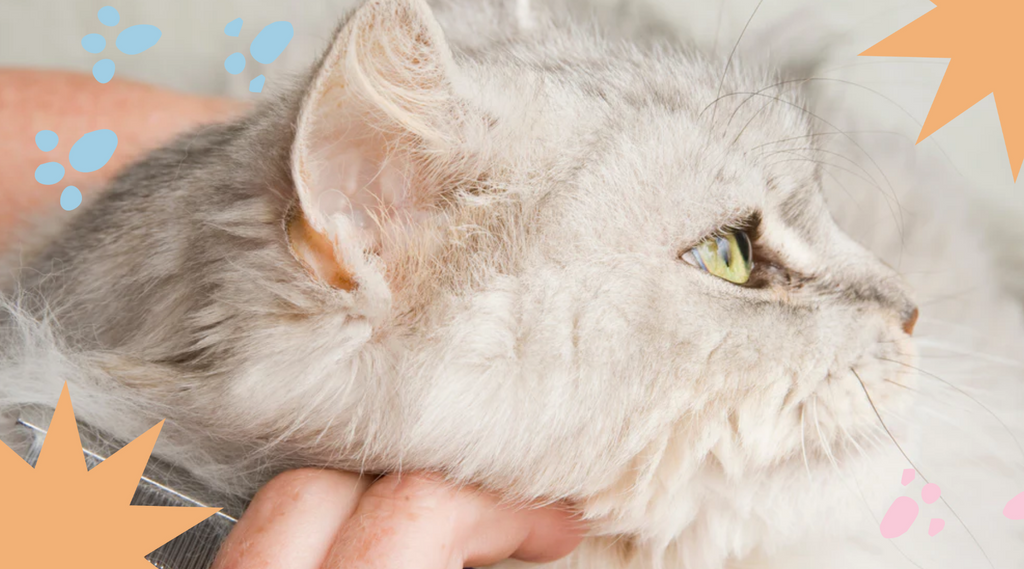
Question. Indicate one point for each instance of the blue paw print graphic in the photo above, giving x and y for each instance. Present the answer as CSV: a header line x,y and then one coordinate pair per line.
x,y
132,40
267,47
90,153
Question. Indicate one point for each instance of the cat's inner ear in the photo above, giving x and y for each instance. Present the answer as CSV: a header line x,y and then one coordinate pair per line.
x,y
380,101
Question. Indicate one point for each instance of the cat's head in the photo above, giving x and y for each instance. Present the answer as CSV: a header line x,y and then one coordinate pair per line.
x,y
537,259
568,206
586,269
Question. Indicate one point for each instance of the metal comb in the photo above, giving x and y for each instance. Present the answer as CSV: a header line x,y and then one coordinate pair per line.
x,y
161,485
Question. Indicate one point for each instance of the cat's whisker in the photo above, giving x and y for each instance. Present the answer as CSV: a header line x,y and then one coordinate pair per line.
x,y
817,134
952,386
943,352
874,408
942,322
946,298
986,337
892,195
842,428
844,35
991,358
822,440
750,121
740,106
824,163
918,124
868,176
841,185
859,489
728,64
871,440
848,83
890,62
897,218
803,442
931,412
900,385
718,28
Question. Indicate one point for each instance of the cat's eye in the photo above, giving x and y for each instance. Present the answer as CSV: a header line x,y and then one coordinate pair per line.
x,y
728,256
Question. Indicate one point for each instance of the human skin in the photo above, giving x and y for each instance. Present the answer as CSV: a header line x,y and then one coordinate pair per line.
x,y
323,519
72,104
303,519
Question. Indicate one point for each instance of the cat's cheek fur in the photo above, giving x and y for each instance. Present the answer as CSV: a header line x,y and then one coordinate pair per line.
x,y
717,432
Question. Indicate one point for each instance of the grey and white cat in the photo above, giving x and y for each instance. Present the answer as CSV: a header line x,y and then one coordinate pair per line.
x,y
557,261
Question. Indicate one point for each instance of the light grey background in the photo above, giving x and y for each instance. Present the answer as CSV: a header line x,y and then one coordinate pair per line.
x,y
191,52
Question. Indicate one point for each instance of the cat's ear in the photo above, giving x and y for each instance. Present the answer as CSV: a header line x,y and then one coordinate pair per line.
x,y
379,103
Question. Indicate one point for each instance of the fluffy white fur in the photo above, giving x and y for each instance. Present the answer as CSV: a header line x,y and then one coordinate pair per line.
x,y
523,321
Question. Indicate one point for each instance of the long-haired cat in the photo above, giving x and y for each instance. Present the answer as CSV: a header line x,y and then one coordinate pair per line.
x,y
554,260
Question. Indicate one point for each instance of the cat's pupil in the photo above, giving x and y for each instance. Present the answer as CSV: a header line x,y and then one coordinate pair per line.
x,y
743,243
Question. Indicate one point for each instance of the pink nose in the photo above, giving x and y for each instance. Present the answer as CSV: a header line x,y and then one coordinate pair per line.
x,y
908,323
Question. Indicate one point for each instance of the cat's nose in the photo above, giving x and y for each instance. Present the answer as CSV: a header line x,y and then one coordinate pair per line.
x,y
909,319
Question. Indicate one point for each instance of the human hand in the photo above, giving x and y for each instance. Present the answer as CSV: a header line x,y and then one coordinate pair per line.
x,y
325,519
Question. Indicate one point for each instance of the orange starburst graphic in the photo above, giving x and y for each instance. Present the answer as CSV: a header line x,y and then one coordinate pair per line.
x,y
983,40
60,514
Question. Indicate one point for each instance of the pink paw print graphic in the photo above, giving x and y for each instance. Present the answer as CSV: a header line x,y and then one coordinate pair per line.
x,y
903,512
1015,508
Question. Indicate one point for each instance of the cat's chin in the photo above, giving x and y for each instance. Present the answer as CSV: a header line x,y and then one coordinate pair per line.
x,y
680,511
708,521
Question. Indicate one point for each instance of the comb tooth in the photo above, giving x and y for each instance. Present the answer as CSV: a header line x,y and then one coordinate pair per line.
x,y
194,549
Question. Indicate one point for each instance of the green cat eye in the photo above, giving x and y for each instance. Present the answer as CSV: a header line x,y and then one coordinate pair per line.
x,y
727,256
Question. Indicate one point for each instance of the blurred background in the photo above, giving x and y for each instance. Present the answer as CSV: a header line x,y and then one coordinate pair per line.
x,y
190,54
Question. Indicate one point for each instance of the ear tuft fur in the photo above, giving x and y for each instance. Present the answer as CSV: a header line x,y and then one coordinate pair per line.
x,y
318,254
